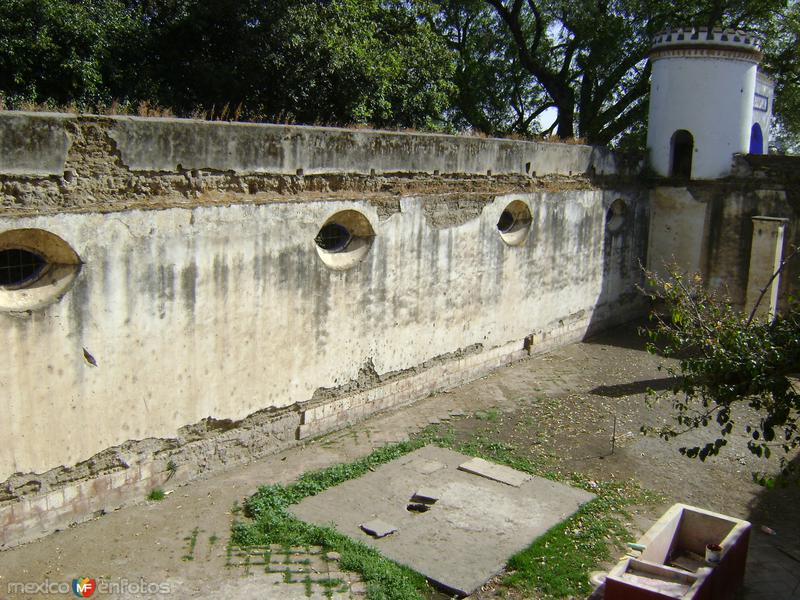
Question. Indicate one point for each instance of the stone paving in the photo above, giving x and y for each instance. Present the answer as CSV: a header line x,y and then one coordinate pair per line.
x,y
773,571
283,571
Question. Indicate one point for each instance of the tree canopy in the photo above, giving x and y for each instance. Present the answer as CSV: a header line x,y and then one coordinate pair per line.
x,y
782,60
338,61
485,65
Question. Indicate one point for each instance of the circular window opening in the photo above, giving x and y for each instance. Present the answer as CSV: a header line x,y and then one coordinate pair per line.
x,y
333,237
36,269
344,239
19,267
514,223
615,217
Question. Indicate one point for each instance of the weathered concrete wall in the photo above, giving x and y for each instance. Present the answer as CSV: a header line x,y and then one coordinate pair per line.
x,y
677,230
33,145
222,311
708,227
217,331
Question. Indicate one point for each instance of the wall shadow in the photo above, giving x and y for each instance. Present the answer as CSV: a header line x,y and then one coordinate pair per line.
x,y
636,387
773,562
621,335
625,241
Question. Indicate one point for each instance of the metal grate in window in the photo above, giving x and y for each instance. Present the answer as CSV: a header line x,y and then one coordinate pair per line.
x,y
18,266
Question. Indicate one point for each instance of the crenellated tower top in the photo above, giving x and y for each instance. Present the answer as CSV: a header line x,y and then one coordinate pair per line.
x,y
704,42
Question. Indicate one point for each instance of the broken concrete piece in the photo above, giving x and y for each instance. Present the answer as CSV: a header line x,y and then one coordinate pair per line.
x,y
495,472
425,495
378,528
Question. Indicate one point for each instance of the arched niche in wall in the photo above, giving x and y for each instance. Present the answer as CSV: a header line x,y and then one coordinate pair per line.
x,y
616,215
36,269
756,139
344,239
681,150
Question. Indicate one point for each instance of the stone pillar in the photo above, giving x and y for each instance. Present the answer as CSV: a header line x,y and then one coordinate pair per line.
x,y
766,254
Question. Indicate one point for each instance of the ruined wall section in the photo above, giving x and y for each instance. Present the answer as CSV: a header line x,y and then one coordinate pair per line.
x,y
203,326
706,227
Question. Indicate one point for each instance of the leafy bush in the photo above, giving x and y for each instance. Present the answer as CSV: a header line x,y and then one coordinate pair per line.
x,y
727,358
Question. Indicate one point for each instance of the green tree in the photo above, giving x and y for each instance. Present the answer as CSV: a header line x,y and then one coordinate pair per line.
x,y
63,51
496,95
338,62
333,62
782,60
727,359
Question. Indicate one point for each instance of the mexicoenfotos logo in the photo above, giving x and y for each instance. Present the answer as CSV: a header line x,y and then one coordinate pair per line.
x,y
83,587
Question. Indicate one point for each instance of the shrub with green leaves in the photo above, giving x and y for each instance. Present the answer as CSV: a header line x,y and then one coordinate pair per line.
x,y
726,358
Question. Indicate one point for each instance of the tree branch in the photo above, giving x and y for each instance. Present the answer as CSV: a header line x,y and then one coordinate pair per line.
x,y
784,262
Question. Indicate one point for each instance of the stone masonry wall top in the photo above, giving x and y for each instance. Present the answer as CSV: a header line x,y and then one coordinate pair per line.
x,y
33,144
37,144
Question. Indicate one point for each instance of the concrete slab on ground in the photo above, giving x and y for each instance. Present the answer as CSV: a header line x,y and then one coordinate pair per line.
x,y
467,535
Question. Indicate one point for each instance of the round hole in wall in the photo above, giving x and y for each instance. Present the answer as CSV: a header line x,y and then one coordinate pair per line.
x,y
615,216
344,239
514,223
36,269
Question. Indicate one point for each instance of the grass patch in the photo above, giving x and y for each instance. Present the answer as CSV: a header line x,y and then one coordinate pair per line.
x,y
492,415
556,565
191,540
156,494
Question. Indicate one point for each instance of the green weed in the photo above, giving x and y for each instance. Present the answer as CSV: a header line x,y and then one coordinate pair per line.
x,y
156,494
191,540
492,415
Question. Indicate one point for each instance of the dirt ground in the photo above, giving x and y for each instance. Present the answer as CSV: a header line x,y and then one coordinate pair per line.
x,y
558,407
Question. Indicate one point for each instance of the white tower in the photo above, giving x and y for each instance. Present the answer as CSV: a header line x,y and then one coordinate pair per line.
x,y
701,100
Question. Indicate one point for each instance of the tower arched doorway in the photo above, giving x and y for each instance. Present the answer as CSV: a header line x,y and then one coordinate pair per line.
x,y
756,140
682,148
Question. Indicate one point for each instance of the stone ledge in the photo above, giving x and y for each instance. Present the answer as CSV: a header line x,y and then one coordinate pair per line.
x,y
37,144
